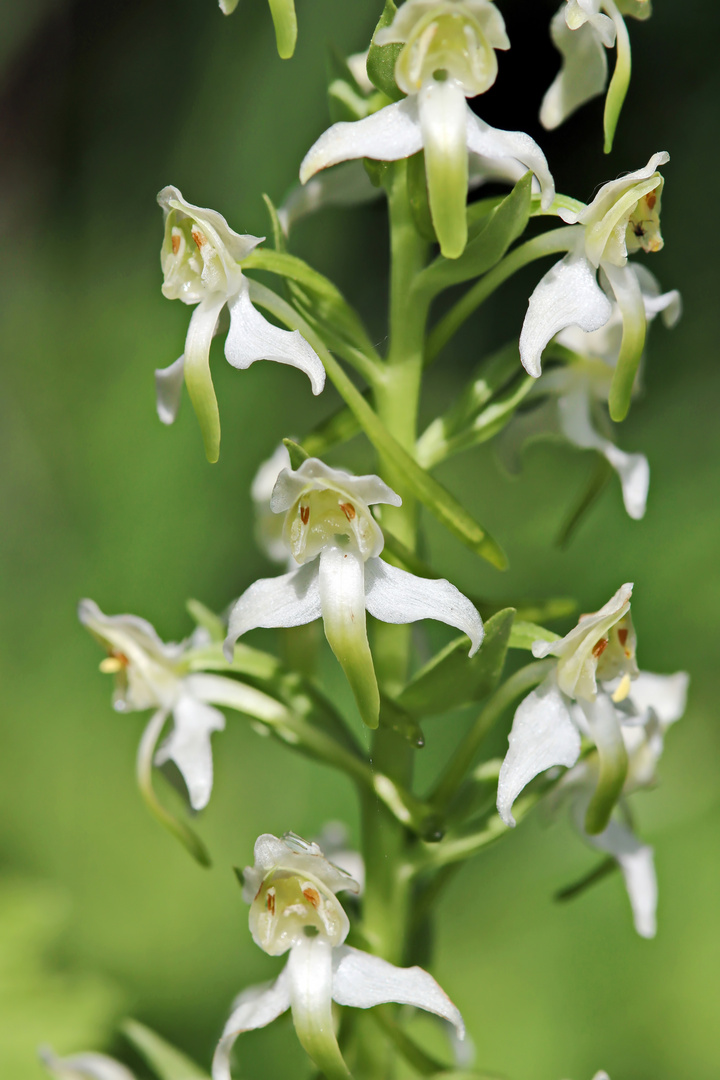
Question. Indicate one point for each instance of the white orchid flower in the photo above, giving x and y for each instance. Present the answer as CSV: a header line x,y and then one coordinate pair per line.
x,y
652,705
582,32
152,674
547,728
88,1066
292,890
448,56
336,540
622,218
268,526
201,260
576,395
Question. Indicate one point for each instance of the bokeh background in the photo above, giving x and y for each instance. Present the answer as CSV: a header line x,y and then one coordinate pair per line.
x,y
101,914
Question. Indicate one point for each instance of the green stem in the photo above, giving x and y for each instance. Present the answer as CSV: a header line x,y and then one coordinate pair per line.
x,y
550,243
462,760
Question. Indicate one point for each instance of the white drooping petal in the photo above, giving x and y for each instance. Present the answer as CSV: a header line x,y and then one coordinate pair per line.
x,y
443,121
168,389
342,597
583,74
362,980
666,695
289,600
256,1007
579,13
395,596
202,328
83,1066
188,745
638,870
492,142
543,734
603,723
310,978
568,295
626,287
633,469
347,185
251,337
390,134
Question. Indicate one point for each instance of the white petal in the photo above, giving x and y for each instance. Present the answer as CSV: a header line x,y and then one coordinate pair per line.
x,y
638,870
443,120
568,295
395,596
492,142
633,469
202,328
188,745
289,600
603,722
387,135
168,389
666,695
347,185
362,980
239,245
314,474
583,73
251,337
84,1067
256,1007
626,286
310,977
342,596
542,735
235,695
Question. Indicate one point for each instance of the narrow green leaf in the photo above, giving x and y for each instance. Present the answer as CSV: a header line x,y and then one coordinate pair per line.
x,y
523,634
451,679
393,716
296,452
446,508
207,619
279,242
587,881
495,234
322,300
165,1061
592,491
382,58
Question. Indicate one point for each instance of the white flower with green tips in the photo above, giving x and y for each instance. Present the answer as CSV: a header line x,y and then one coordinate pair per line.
x,y
291,889
583,31
624,217
334,537
448,56
153,674
88,1066
654,703
547,727
573,396
201,261
284,19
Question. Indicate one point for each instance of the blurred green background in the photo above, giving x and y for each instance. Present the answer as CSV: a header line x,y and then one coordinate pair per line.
x,y
101,913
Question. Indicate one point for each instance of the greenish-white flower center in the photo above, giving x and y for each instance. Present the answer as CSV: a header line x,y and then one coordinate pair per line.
x,y
288,907
193,265
447,44
322,518
643,228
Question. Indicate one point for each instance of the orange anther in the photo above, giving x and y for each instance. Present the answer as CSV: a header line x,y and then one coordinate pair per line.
x,y
348,510
175,241
304,514
600,647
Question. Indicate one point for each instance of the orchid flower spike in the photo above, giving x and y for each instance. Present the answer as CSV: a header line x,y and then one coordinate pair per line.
x,y
623,218
201,260
83,1066
152,674
595,668
291,889
336,540
652,705
582,32
284,19
448,56
571,399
